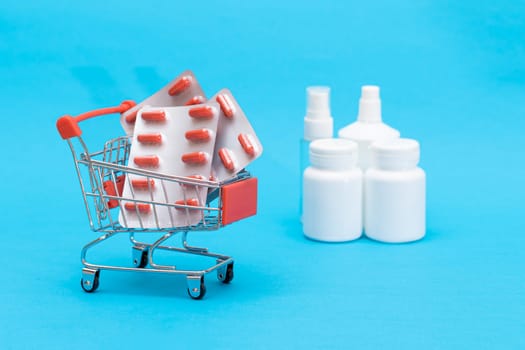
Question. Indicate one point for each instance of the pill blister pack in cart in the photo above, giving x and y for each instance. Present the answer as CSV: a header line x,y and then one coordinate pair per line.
x,y
172,140
237,144
212,140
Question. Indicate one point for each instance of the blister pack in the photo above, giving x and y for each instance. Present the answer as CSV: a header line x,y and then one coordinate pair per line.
x,y
184,90
174,141
237,144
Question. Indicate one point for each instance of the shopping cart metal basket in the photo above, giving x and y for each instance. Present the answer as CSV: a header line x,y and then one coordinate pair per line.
x,y
102,175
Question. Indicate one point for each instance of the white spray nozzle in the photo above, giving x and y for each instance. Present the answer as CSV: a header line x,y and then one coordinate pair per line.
x,y
318,102
318,122
369,104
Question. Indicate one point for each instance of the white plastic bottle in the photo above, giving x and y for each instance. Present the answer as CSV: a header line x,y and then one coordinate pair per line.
x,y
332,189
369,126
395,192
318,124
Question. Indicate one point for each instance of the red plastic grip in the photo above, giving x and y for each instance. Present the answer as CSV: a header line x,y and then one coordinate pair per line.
x,y
67,125
239,200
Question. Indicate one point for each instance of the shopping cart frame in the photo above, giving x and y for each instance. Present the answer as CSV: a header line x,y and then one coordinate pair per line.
x,y
101,173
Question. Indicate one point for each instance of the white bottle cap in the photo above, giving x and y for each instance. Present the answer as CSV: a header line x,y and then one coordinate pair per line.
x,y
395,154
369,104
318,122
334,154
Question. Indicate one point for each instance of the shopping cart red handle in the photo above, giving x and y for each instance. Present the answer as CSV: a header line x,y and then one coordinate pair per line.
x,y
68,125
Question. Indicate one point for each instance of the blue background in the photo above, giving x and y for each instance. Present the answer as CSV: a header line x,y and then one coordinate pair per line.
x,y
452,75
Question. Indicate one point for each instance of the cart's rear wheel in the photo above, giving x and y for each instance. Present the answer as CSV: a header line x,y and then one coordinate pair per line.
x,y
140,257
143,260
196,289
226,276
89,283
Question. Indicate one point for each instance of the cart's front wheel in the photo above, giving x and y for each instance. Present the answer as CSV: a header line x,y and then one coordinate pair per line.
x,y
196,287
90,280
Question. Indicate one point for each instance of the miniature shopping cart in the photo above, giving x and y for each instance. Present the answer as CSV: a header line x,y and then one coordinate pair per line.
x,y
102,176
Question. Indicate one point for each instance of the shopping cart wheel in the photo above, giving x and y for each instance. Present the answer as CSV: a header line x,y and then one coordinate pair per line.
x,y
89,280
140,256
225,273
196,287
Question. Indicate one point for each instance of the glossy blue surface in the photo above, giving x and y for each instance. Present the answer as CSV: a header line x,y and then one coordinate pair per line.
x,y
452,75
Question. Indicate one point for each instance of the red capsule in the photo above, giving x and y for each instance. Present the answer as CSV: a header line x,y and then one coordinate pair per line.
x,y
194,202
154,116
226,159
197,100
195,158
147,161
198,135
132,117
246,144
194,177
143,184
197,177
180,85
202,112
225,104
150,139
142,207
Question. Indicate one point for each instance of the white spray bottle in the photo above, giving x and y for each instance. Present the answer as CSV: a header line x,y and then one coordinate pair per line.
x,y
318,124
369,126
